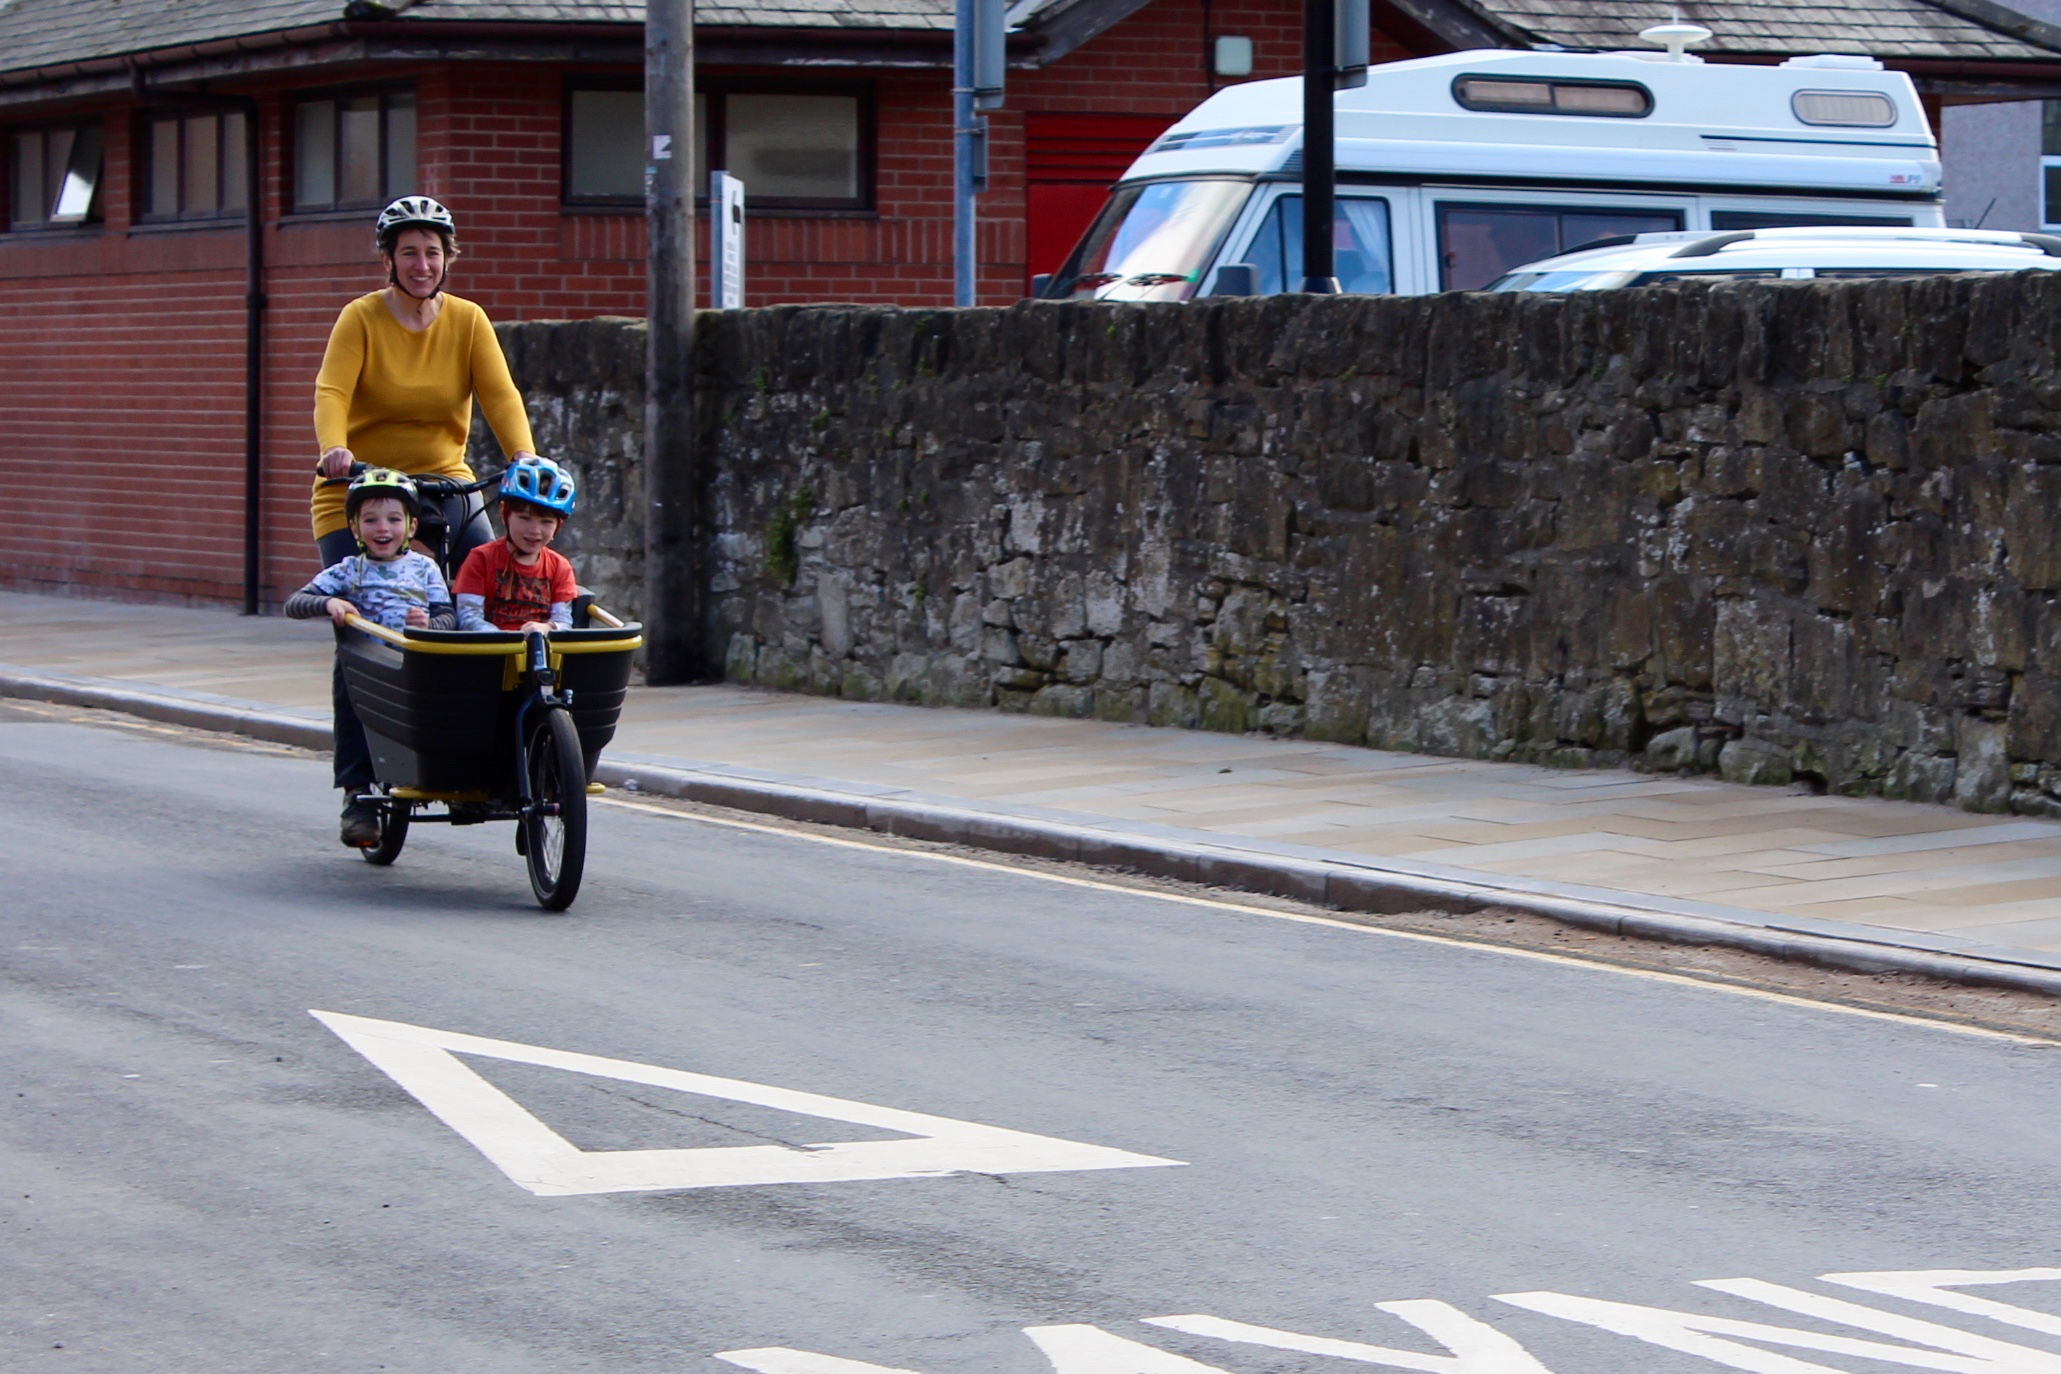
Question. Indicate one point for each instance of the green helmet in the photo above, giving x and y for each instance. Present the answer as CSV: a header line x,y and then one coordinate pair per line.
x,y
382,482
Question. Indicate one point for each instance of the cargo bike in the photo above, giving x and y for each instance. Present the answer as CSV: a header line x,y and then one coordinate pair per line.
x,y
469,727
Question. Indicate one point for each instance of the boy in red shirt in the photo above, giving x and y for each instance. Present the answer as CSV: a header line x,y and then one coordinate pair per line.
x,y
516,582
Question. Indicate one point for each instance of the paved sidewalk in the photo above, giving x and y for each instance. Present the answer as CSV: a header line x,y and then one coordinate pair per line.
x,y
1924,877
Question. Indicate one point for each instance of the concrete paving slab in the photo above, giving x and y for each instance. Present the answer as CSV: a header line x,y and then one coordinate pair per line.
x,y
2000,832
2041,934
1806,865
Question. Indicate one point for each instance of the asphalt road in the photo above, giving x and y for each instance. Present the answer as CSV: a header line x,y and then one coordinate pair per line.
x,y
197,1174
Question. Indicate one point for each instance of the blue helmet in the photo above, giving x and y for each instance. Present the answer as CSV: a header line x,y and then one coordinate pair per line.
x,y
539,482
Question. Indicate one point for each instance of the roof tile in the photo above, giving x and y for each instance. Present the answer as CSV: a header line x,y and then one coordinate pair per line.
x,y
42,33
1878,28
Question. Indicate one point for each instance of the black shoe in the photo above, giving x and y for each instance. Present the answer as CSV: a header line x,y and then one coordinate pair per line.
x,y
360,824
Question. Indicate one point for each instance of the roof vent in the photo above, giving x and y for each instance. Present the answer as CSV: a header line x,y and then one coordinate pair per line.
x,y
1677,37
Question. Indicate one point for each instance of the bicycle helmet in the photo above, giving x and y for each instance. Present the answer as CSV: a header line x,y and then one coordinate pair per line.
x,y
418,212
382,482
541,483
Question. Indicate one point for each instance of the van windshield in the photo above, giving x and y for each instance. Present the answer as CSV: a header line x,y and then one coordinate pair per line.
x,y
1152,241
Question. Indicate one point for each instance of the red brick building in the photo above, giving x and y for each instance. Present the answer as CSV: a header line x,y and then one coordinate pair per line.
x,y
126,268
123,271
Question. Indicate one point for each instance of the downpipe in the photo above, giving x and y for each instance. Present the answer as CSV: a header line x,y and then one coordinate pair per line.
x,y
254,302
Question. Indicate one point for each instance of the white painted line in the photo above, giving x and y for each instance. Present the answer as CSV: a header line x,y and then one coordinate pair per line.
x,y
1306,918
1477,1348
1474,1346
425,1062
778,1359
1933,1286
1069,1350
1091,1350
1693,1333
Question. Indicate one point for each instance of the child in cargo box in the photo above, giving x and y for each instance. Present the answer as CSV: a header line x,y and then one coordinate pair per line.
x,y
517,582
385,582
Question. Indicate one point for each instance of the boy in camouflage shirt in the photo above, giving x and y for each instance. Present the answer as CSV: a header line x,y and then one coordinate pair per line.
x,y
386,582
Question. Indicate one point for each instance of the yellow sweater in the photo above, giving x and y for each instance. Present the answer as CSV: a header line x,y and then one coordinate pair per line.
x,y
402,398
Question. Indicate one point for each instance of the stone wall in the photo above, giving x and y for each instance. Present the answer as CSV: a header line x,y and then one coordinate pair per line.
x,y
584,386
1782,532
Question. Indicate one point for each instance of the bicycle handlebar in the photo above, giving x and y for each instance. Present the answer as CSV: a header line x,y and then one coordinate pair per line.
x,y
427,485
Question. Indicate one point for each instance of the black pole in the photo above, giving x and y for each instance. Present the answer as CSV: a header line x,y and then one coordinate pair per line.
x,y
253,356
672,584
1319,144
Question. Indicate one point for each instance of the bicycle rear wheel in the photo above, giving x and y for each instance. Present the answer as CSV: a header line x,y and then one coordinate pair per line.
x,y
555,829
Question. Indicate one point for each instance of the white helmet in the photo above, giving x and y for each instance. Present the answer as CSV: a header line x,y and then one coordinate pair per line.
x,y
411,211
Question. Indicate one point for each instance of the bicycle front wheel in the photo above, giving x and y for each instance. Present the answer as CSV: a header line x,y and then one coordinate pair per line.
x,y
555,828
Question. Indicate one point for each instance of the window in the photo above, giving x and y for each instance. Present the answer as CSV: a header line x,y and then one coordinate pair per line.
x,y
1479,243
194,166
353,150
1359,237
1721,274
1778,219
1844,109
604,147
800,149
2050,164
1537,95
54,176
1152,241
793,149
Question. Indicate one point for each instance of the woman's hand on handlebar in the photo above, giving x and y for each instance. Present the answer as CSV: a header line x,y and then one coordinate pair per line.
x,y
336,463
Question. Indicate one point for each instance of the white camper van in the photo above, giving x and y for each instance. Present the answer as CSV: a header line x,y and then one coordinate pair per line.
x,y
1452,170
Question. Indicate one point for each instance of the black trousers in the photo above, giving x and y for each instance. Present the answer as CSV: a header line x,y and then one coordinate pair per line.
x,y
352,761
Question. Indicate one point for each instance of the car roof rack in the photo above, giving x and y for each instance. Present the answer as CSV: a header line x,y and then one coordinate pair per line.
x,y
1709,244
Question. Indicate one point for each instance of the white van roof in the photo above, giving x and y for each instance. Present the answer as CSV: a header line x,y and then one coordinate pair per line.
x,y
1829,124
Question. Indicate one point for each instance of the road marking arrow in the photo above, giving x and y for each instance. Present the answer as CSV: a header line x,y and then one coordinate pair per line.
x,y
425,1062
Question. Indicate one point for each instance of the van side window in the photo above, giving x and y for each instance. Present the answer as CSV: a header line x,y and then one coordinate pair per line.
x,y
1776,219
1360,229
1478,243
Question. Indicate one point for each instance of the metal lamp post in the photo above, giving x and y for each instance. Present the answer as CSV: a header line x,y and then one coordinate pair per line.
x,y
1337,36
979,36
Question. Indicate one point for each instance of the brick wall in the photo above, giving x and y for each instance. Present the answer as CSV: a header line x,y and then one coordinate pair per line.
x,y
122,362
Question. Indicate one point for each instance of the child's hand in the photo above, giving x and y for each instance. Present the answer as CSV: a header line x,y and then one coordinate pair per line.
x,y
338,608
418,619
542,627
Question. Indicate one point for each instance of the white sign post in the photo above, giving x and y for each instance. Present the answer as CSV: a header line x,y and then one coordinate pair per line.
x,y
725,241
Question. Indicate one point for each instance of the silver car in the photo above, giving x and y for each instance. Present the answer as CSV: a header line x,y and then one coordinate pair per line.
x,y
1804,254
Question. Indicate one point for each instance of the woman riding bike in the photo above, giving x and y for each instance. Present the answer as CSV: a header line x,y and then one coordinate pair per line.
x,y
399,377
395,391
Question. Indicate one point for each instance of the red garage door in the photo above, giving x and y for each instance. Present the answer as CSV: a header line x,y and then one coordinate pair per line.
x,y
1069,162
